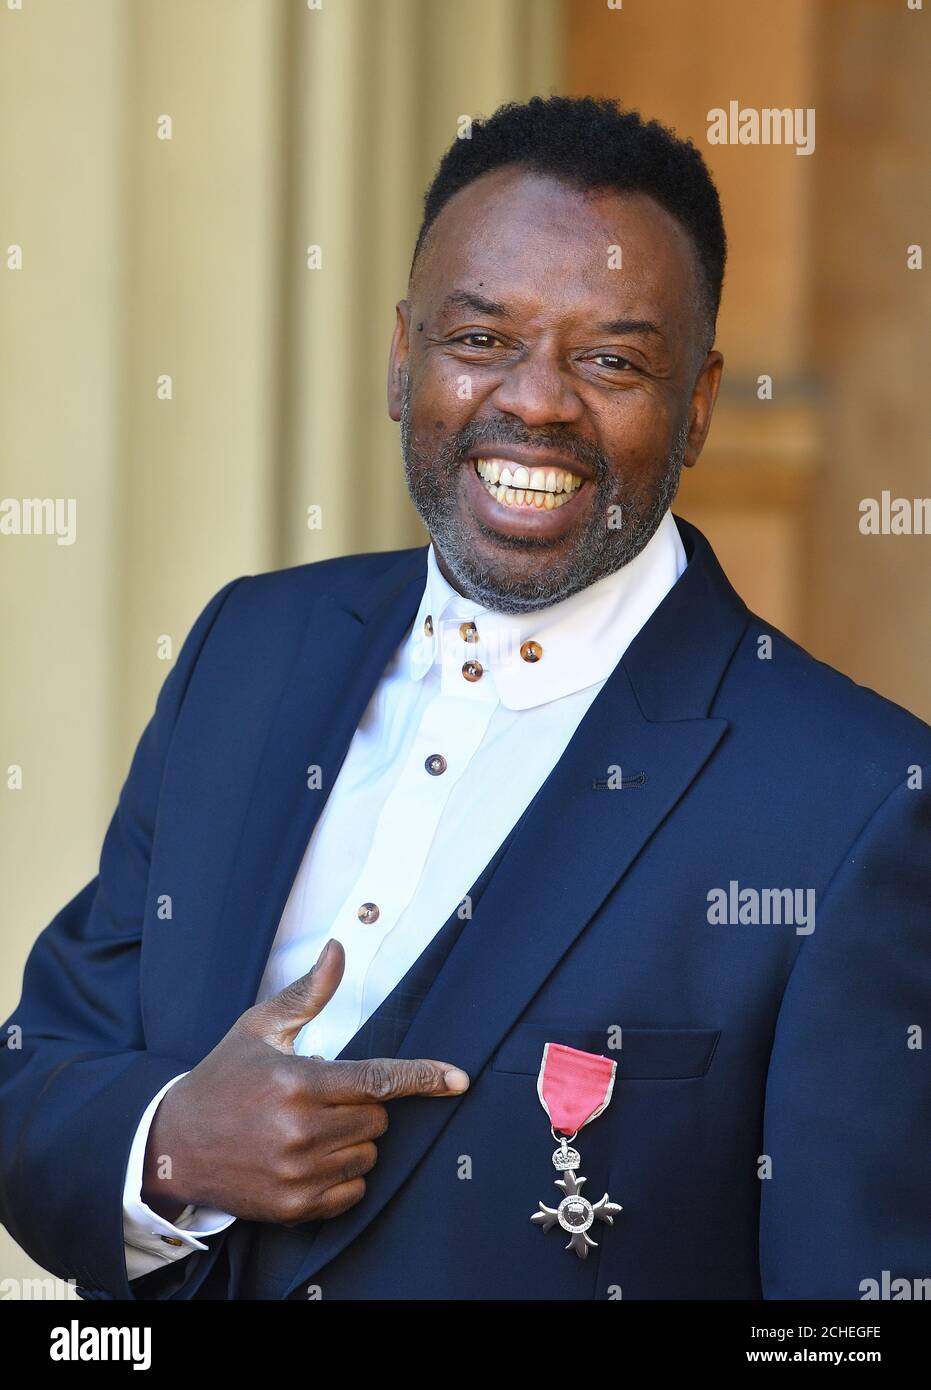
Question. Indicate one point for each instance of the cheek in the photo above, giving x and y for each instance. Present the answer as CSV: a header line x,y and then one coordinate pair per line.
x,y
440,406
638,437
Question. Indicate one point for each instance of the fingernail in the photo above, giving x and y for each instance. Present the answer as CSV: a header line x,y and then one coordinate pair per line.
x,y
456,1080
324,953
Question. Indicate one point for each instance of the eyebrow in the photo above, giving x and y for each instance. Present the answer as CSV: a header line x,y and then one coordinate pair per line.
x,y
622,326
465,299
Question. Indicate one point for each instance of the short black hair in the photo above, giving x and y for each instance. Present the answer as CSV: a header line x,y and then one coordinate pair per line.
x,y
593,143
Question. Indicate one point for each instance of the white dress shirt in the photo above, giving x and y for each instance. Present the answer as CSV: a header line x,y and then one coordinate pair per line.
x,y
439,770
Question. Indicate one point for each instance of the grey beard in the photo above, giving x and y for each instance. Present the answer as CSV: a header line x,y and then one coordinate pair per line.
x,y
599,550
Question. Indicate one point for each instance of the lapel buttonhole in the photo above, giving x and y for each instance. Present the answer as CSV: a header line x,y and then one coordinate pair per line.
x,y
633,779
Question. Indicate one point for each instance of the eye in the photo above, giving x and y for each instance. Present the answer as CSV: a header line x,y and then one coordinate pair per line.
x,y
614,362
469,339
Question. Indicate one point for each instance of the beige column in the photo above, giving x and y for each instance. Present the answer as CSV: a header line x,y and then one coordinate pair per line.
x,y
205,144
62,102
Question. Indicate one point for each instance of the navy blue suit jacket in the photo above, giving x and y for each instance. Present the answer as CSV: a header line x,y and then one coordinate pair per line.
x,y
768,1135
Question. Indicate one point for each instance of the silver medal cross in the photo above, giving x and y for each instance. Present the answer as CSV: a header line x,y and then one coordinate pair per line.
x,y
575,1213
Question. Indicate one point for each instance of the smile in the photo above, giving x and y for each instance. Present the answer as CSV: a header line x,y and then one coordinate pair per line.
x,y
515,486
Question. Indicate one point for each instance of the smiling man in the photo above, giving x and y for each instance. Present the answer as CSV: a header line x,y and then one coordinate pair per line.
x,y
500,838
559,333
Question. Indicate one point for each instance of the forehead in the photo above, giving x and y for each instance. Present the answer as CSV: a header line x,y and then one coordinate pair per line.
x,y
529,236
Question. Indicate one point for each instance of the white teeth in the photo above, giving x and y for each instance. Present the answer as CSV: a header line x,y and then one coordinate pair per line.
x,y
518,486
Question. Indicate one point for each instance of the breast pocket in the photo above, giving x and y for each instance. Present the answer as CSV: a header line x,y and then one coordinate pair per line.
x,y
645,1054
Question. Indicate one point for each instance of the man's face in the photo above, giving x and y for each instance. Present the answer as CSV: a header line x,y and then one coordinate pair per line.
x,y
558,333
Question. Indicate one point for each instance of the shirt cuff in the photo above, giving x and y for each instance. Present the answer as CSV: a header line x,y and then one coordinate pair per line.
x,y
149,1240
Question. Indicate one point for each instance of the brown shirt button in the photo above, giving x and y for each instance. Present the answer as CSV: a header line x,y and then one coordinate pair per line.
x,y
435,764
172,1240
472,670
531,651
428,625
368,913
468,632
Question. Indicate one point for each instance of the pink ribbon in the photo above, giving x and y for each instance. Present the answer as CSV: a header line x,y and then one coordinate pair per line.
x,y
574,1087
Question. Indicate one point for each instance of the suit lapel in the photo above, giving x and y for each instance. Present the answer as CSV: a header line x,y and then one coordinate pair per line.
x,y
533,909
344,650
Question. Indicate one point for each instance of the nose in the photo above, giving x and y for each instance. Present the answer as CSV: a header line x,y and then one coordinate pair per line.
x,y
536,390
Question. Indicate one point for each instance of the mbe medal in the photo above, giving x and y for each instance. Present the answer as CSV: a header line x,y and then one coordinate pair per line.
x,y
574,1088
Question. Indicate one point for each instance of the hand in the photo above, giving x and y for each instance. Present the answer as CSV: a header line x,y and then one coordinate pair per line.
x,y
268,1136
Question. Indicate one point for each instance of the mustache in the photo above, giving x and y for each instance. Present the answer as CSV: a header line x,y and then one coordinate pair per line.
x,y
486,434
482,434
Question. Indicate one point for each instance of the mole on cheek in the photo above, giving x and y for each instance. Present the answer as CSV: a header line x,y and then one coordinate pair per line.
x,y
439,425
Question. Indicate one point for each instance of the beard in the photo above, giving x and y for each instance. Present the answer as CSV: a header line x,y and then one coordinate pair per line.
x,y
597,549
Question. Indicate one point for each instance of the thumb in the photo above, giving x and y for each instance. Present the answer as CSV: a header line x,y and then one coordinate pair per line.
x,y
278,1020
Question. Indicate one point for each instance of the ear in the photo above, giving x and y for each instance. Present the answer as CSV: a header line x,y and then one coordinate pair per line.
x,y
398,358
704,395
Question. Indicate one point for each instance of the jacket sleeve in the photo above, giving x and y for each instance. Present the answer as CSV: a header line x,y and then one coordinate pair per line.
x,y
848,1100
75,1075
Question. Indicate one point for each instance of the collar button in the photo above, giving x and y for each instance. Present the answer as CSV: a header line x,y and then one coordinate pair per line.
x,y
531,651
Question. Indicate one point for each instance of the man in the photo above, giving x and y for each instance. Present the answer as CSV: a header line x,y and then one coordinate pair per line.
x,y
401,820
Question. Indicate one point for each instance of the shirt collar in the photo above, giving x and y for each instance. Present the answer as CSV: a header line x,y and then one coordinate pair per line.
x,y
527,659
